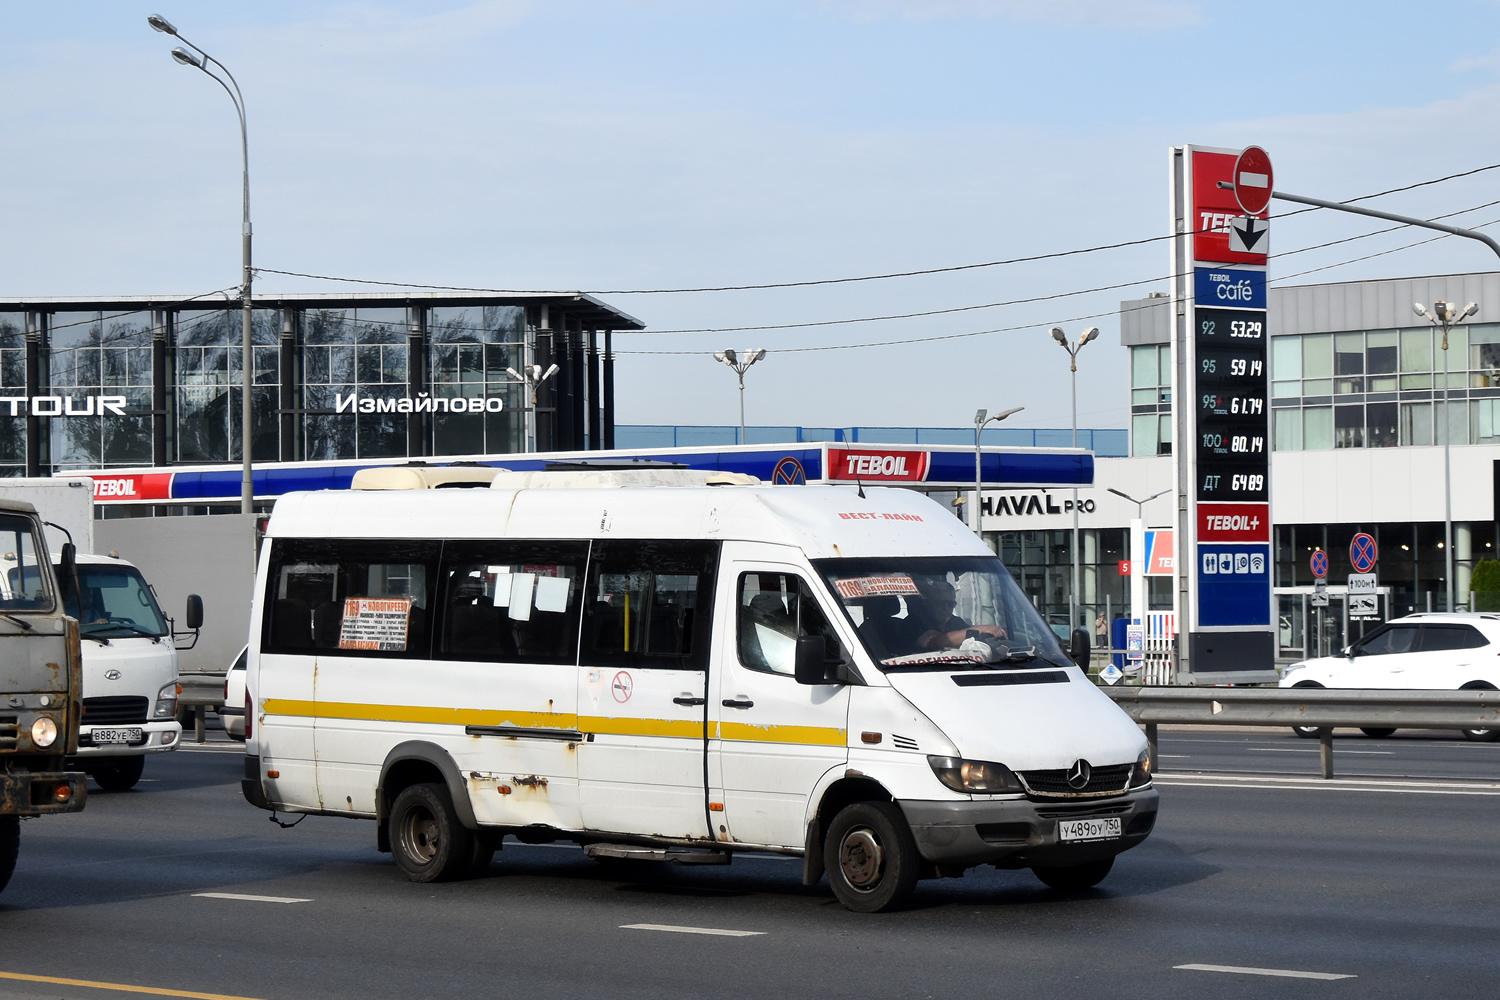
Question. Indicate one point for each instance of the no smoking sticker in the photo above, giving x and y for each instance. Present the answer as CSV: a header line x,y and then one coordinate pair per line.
x,y
622,687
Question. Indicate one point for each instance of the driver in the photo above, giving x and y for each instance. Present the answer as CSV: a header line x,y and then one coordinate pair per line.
x,y
945,629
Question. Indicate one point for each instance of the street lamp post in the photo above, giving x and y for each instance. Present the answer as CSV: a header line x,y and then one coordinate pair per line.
x,y
201,61
1073,349
532,377
1138,595
741,364
981,418
1446,315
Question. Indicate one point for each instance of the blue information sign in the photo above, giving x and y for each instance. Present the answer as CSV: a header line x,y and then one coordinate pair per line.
x,y
1229,287
1234,584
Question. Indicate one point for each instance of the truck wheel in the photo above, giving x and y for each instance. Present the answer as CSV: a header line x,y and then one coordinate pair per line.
x,y
10,843
427,840
871,858
1075,877
118,774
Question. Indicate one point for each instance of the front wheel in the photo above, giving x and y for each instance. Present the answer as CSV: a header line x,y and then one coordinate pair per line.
x,y
118,774
427,840
10,844
870,857
1072,878
1378,733
1307,732
1481,735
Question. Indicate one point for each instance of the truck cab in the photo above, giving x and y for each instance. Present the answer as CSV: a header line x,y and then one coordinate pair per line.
x,y
40,684
130,678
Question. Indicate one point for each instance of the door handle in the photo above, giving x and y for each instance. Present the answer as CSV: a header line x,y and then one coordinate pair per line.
x,y
738,703
685,699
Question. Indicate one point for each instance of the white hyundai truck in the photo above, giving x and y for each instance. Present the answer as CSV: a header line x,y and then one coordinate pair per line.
x,y
130,682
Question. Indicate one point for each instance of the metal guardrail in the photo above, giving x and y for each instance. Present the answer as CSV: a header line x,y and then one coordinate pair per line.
x,y
1320,707
200,692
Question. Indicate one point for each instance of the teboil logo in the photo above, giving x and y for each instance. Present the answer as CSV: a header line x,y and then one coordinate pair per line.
x,y
849,465
114,488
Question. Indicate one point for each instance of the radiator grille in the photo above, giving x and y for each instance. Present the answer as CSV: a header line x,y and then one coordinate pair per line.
x,y
115,710
9,731
1104,780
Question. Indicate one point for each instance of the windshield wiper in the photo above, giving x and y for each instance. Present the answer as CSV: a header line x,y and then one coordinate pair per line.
x,y
19,621
127,626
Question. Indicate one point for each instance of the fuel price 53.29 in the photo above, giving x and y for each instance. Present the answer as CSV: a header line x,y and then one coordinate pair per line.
x,y
1229,326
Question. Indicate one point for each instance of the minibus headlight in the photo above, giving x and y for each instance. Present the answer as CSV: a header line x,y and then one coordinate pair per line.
x,y
43,732
977,776
1141,775
166,701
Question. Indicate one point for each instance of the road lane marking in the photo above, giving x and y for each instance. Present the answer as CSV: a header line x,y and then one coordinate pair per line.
x,y
253,899
675,929
1247,971
120,987
1386,753
1324,784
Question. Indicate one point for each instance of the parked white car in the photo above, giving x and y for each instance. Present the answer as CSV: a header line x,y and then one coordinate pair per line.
x,y
1426,652
232,712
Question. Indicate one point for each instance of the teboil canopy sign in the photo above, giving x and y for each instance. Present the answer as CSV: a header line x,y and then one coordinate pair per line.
x,y
1221,399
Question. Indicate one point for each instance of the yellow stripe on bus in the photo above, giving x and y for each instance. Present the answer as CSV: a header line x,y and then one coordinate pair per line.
x,y
598,724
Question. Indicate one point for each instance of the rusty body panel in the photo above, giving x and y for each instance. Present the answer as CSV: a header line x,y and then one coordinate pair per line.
x,y
41,684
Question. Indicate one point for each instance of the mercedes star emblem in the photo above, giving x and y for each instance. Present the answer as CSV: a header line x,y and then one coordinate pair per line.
x,y
1079,774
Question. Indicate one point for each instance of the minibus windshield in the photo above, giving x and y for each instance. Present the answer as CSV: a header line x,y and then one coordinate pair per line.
x,y
941,612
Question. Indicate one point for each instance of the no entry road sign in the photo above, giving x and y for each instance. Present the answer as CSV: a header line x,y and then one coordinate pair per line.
x,y
1252,180
1362,553
1319,563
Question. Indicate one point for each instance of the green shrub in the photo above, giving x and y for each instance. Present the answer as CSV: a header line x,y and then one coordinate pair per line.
x,y
1485,585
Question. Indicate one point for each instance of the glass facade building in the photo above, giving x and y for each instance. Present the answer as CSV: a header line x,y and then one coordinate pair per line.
x,y
89,384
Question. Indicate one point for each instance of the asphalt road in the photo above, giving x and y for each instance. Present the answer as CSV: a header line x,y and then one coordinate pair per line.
x,y
1389,882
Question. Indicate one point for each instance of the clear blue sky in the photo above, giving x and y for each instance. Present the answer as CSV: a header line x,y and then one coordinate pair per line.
x,y
650,144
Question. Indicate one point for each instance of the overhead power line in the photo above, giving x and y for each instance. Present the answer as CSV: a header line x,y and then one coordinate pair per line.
x,y
812,282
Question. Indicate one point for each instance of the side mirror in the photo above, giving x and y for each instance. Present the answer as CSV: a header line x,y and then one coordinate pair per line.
x,y
194,611
811,665
1078,647
67,572
1349,651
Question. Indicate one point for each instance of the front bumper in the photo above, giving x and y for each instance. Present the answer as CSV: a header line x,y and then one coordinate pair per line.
x,y
1021,833
34,793
156,737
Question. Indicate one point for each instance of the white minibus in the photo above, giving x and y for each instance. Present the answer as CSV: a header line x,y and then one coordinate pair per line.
x,y
679,672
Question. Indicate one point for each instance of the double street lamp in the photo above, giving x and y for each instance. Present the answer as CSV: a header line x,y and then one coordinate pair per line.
x,y
532,377
1446,315
740,363
1088,335
198,59
981,418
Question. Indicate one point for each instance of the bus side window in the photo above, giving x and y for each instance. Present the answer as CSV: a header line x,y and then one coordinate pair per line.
x,y
515,602
649,604
357,597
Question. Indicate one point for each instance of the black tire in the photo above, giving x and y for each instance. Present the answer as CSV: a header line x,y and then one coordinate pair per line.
x,y
1376,732
1307,732
118,774
10,844
427,840
1074,878
871,858
1480,735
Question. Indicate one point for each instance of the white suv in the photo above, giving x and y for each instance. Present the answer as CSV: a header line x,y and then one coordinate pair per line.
x,y
1431,652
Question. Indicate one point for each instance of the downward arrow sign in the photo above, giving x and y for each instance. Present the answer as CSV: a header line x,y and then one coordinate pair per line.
x,y
1249,235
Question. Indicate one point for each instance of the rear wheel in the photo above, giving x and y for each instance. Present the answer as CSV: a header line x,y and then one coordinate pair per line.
x,y
871,858
1480,735
118,774
1075,877
1376,732
427,840
10,844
